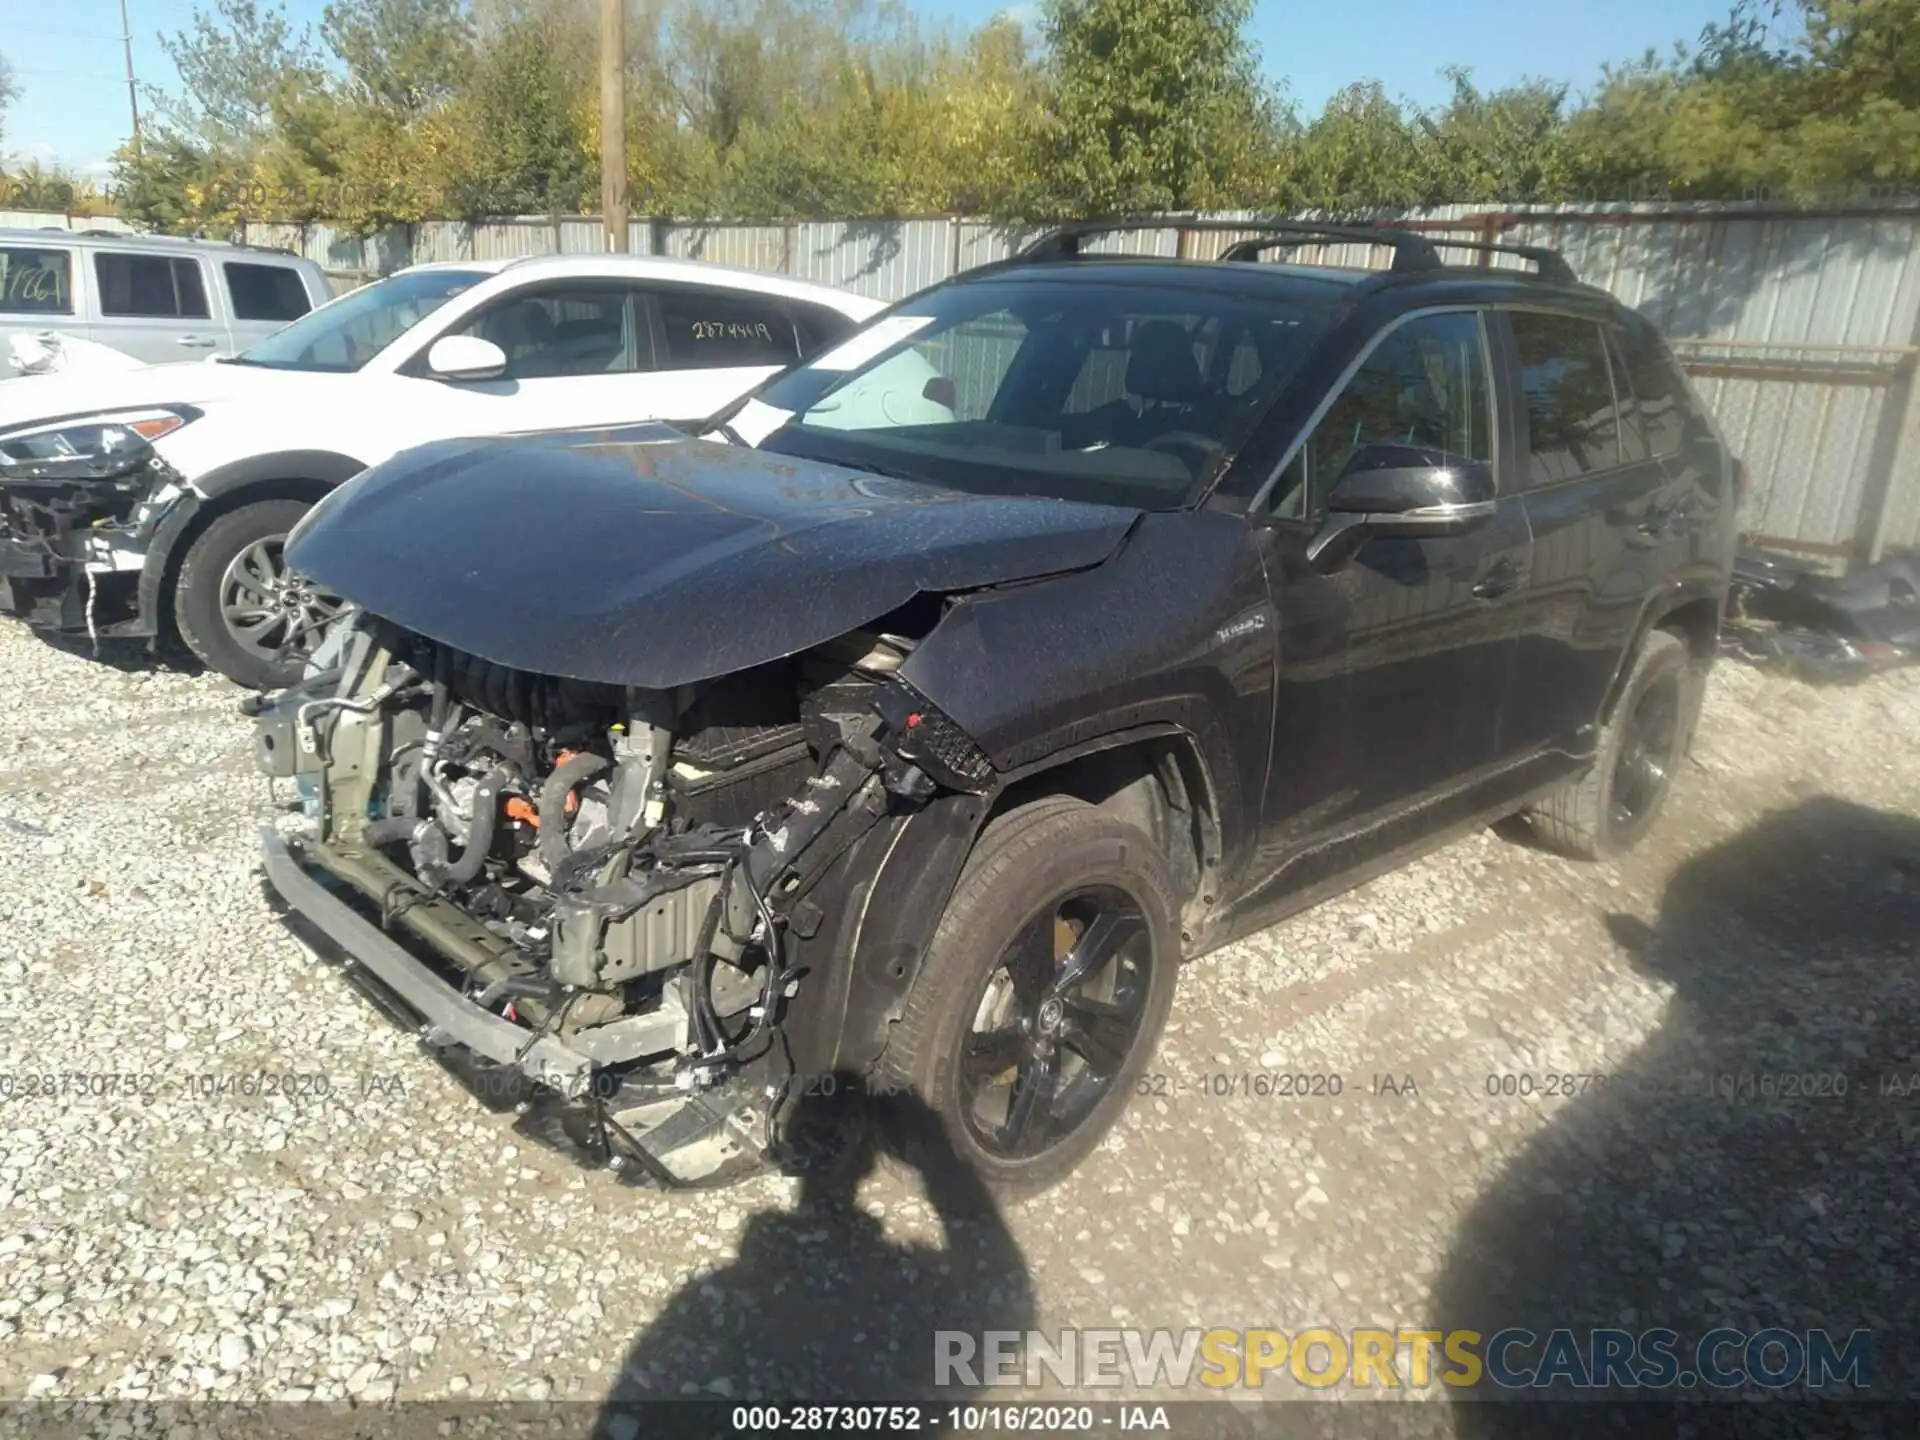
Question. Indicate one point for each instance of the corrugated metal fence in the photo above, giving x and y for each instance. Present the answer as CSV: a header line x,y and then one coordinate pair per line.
x,y
1801,328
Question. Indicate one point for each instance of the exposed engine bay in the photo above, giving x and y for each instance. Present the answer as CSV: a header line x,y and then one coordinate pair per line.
x,y
614,873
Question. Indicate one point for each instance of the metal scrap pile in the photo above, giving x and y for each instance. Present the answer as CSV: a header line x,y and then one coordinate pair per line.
x,y
1783,613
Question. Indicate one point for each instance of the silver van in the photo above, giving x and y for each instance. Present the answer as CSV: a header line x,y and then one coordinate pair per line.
x,y
151,298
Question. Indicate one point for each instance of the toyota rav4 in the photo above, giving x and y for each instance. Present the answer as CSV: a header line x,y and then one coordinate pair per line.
x,y
1071,619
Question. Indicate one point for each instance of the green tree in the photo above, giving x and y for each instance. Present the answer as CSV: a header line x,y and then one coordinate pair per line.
x,y
518,135
1360,153
405,56
176,185
9,92
988,127
1822,112
761,107
1154,104
402,109
35,186
237,63
1507,146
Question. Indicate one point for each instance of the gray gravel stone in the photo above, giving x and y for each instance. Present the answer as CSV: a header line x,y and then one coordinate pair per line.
x,y
186,1230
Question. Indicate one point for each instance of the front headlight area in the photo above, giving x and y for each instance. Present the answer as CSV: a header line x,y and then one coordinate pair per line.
x,y
78,499
92,447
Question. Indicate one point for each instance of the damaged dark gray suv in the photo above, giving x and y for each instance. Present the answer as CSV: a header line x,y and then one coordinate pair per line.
x,y
1073,618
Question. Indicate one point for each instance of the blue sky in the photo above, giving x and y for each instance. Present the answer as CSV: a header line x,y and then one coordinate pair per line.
x,y
73,106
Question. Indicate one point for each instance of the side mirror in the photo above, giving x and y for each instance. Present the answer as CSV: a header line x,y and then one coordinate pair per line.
x,y
1408,490
466,357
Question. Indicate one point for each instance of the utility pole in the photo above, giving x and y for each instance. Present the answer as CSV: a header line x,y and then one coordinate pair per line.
x,y
133,92
613,122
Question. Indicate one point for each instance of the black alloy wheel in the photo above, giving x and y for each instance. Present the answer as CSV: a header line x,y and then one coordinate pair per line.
x,y
1648,751
1055,1022
1637,756
1033,1013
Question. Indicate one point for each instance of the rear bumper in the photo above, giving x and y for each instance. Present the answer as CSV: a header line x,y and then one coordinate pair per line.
x,y
446,1016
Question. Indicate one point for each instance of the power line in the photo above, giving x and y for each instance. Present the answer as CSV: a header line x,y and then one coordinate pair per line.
x,y
61,30
69,74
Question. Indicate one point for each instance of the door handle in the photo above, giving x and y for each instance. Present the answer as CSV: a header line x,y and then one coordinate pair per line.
x,y
197,342
1501,576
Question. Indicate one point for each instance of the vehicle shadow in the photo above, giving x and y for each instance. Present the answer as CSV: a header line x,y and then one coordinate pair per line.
x,y
130,657
1754,1169
821,1305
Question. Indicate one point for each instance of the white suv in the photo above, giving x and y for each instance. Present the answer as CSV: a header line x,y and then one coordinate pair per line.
x,y
143,299
171,488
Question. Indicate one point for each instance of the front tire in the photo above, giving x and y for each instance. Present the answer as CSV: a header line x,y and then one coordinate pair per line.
x,y
1044,992
1609,808
236,605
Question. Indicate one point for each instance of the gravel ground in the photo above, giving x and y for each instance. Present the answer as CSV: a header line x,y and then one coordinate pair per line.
x,y
389,1237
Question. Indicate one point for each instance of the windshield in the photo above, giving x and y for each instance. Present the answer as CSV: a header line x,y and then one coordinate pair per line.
x,y
1077,390
347,333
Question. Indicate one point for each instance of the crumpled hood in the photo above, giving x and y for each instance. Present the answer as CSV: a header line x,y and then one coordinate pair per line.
x,y
640,558
27,398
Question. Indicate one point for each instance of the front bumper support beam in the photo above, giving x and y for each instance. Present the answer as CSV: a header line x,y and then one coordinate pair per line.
x,y
449,1016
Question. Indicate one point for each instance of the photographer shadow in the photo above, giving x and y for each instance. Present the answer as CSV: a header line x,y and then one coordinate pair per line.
x,y
1754,1168
822,1306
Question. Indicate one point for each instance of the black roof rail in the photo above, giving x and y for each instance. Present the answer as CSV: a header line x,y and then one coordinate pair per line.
x,y
1549,264
1411,251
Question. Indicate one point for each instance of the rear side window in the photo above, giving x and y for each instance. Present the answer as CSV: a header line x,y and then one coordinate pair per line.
x,y
265,292
712,330
1633,432
35,282
150,286
1658,392
1573,419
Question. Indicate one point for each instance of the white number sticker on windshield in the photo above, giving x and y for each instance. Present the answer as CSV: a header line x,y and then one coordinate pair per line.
x,y
731,330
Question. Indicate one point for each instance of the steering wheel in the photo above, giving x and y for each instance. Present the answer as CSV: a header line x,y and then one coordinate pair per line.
x,y
1189,447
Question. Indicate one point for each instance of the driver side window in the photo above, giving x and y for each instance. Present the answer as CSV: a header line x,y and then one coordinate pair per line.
x,y
1424,383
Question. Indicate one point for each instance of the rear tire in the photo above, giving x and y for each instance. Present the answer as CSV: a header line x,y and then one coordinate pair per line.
x,y
233,569
1608,809
1067,1033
